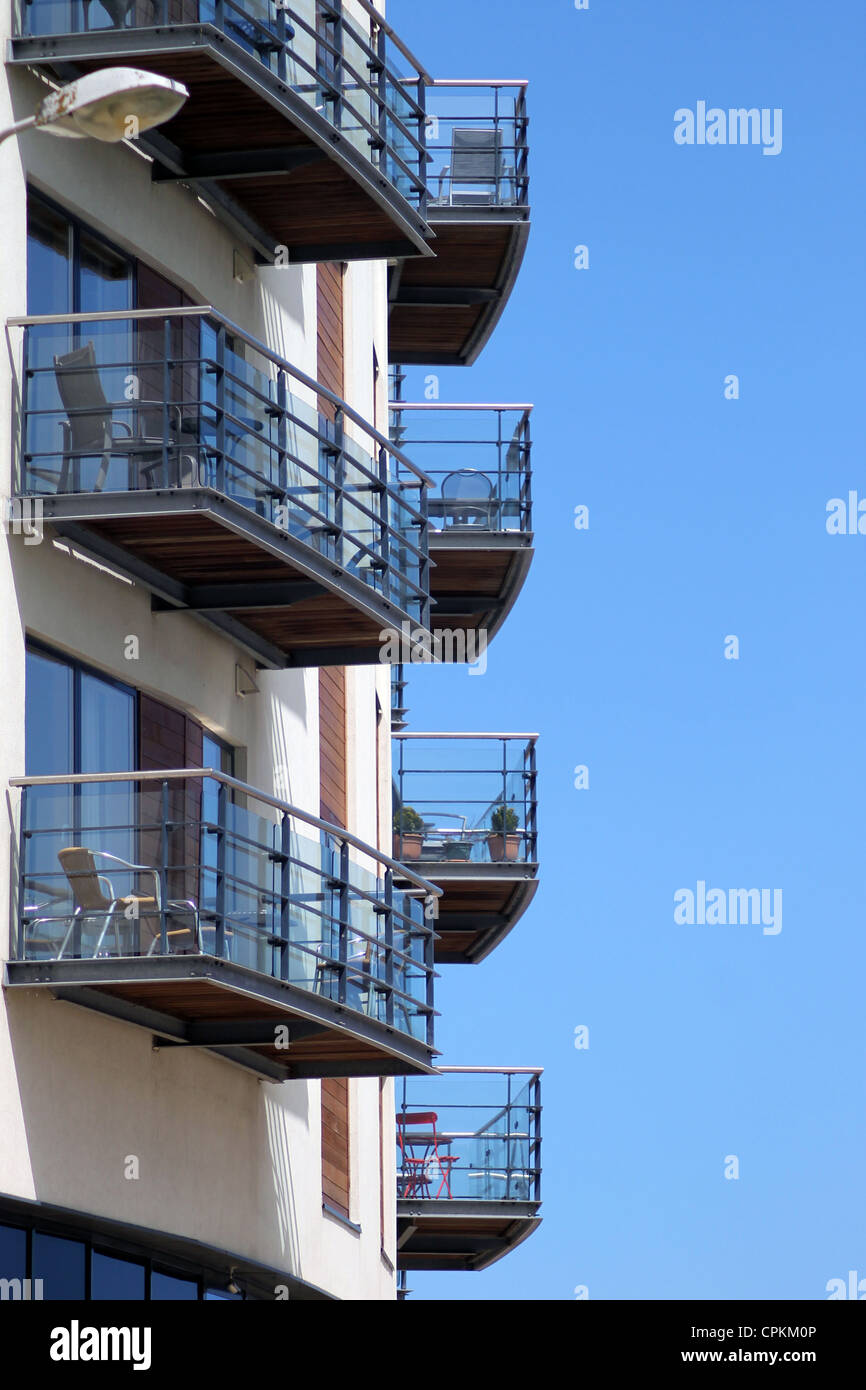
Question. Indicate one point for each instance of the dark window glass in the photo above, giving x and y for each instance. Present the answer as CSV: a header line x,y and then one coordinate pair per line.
x,y
105,278
48,716
165,1286
13,1253
111,1278
49,261
59,1264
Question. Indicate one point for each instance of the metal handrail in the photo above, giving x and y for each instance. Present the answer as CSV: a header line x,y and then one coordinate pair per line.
x,y
164,774
398,43
459,405
529,738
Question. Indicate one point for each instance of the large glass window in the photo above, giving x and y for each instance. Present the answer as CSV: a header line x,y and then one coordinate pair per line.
x,y
60,1264
13,1253
111,1278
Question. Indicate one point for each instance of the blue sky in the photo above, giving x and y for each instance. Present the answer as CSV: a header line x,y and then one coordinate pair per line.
x,y
707,518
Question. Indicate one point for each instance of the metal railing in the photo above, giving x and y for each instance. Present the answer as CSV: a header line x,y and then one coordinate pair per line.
x,y
147,400
470,1133
465,797
350,72
477,145
478,458
194,862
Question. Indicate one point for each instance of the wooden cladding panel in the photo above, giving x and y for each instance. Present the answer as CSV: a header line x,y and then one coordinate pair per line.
x,y
332,745
335,1144
330,368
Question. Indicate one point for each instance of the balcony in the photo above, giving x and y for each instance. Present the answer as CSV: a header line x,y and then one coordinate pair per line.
x,y
479,508
465,817
443,310
468,1165
304,129
218,917
178,448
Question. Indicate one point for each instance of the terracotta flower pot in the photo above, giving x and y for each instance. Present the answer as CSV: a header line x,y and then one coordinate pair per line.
x,y
407,846
504,847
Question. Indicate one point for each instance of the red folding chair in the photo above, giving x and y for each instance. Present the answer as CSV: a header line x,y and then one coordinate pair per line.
x,y
415,1170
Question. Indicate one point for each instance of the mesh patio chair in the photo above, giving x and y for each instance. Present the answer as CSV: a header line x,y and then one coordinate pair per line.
x,y
467,500
89,430
477,169
96,899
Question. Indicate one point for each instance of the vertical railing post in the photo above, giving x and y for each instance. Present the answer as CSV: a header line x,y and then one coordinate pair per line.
x,y
166,398
283,440
385,525
163,867
344,910
430,972
281,33
509,1149
384,133
500,483
388,899
422,153
531,818
339,481
220,895
23,836
285,892
424,562
221,407
526,476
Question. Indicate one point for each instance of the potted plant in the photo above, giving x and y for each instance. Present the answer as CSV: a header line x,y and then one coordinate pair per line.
x,y
503,841
408,833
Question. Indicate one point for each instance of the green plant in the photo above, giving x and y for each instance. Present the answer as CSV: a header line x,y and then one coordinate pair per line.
x,y
503,820
407,821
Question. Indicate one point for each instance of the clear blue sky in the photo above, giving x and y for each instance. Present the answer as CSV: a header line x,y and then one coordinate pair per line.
x,y
707,518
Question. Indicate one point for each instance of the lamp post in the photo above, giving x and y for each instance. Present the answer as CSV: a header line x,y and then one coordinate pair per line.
x,y
113,104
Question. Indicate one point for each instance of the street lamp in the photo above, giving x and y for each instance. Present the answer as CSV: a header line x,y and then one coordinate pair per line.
x,y
113,104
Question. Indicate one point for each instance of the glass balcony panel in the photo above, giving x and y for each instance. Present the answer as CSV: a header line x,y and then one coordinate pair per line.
x,y
483,1142
475,797
153,403
323,55
476,143
176,865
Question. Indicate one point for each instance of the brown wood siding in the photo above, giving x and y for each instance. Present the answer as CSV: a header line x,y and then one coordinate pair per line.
x,y
335,1144
329,344
332,736
333,798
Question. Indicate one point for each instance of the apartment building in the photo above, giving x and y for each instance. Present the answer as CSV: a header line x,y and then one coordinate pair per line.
x,y
218,1067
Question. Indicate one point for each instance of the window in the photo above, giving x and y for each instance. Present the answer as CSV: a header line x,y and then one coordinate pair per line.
x,y
70,1268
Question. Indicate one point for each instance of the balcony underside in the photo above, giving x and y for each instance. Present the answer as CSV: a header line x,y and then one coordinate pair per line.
x,y
480,904
211,1004
201,553
477,578
444,309
274,166
449,1234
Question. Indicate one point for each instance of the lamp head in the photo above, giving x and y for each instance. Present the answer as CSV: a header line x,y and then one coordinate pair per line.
x,y
113,104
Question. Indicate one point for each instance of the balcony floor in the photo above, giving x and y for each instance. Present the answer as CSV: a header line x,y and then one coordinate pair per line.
x,y
449,1234
444,309
203,553
477,578
480,904
228,1009
293,179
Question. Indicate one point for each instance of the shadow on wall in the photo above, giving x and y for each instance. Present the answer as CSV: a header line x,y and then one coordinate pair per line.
x,y
171,1141
281,295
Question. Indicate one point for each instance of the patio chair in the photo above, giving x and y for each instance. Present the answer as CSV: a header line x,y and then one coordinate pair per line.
x,y
89,430
467,500
476,171
95,897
